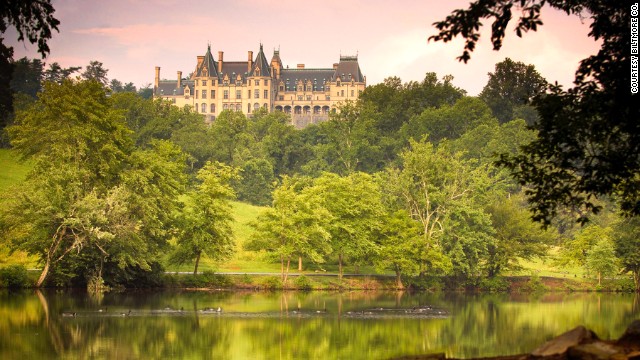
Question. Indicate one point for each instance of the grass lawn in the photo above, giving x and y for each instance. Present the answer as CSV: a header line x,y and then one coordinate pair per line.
x,y
12,171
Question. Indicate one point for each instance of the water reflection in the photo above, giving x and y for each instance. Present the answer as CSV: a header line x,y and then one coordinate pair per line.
x,y
318,325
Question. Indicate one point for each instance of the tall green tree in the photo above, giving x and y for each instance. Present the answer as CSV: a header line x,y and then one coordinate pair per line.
x,y
399,244
294,227
511,87
205,221
588,136
57,73
602,259
627,246
354,203
27,77
516,236
78,145
95,71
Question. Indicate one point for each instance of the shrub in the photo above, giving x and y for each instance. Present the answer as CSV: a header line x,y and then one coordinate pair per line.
x,y
14,276
302,283
272,283
534,285
495,284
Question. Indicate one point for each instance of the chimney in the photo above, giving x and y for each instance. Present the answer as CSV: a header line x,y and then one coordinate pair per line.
x,y
250,61
200,61
179,79
157,80
220,58
300,66
335,66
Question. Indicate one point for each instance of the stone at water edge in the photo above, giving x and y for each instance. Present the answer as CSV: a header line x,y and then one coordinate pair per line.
x,y
562,343
631,336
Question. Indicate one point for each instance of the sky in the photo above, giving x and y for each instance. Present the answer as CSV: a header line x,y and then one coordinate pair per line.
x,y
132,37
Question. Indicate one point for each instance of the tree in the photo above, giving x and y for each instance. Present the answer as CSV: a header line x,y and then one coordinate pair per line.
x,y
57,74
448,122
33,21
350,140
257,182
95,71
205,221
78,145
512,86
354,203
27,77
229,136
627,246
399,241
517,236
601,258
588,137
576,251
295,226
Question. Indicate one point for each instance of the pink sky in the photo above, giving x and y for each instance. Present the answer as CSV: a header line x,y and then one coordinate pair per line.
x,y
131,37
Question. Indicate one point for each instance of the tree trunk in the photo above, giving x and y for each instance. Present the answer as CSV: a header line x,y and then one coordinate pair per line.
x,y
599,277
287,273
340,267
399,285
299,263
195,269
282,268
43,274
636,279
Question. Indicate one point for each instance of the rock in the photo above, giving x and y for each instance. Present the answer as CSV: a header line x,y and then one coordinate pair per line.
x,y
595,351
631,336
562,343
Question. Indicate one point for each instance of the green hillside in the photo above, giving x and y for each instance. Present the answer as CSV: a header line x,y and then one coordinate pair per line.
x,y
12,171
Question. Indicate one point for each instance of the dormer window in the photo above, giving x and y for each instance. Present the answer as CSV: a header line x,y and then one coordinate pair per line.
x,y
204,82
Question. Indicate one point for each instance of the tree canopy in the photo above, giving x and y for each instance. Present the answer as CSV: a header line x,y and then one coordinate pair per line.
x,y
587,144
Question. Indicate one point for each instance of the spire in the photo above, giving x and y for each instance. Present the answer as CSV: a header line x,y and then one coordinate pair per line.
x,y
262,64
208,67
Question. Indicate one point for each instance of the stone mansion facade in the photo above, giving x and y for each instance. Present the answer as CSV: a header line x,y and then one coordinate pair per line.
x,y
307,94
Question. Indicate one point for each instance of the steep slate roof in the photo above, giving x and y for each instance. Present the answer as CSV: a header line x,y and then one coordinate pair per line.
x,y
318,77
348,65
169,87
262,63
237,67
208,63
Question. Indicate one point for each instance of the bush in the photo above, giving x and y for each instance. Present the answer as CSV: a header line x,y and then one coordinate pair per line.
x,y
302,283
14,277
272,283
495,284
534,285
433,283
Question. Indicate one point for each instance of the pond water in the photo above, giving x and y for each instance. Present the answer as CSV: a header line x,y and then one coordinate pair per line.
x,y
296,325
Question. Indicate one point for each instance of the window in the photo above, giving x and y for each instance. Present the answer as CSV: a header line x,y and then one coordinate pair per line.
x,y
309,97
238,94
281,97
341,92
248,94
197,107
213,94
266,83
204,107
225,106
257,82
353,93
196,94
256,93
266,94
249,108
238,107
204,94
328,88
299,97
281,87
256,106
264,106
213,108
226,94
204,82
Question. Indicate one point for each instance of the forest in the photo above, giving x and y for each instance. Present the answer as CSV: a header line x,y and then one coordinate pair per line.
x,y
410,180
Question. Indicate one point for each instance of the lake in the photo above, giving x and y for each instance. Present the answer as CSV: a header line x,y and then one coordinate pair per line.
x,y
296,325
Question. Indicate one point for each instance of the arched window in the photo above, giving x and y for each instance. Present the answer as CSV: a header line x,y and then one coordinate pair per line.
x,y
213,108
256,106
264,106
204,107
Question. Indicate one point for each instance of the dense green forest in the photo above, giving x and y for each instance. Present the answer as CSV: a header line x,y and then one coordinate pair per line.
x,y
404,180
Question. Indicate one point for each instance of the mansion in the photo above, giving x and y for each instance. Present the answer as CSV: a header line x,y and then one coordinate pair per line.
x,y
307,94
